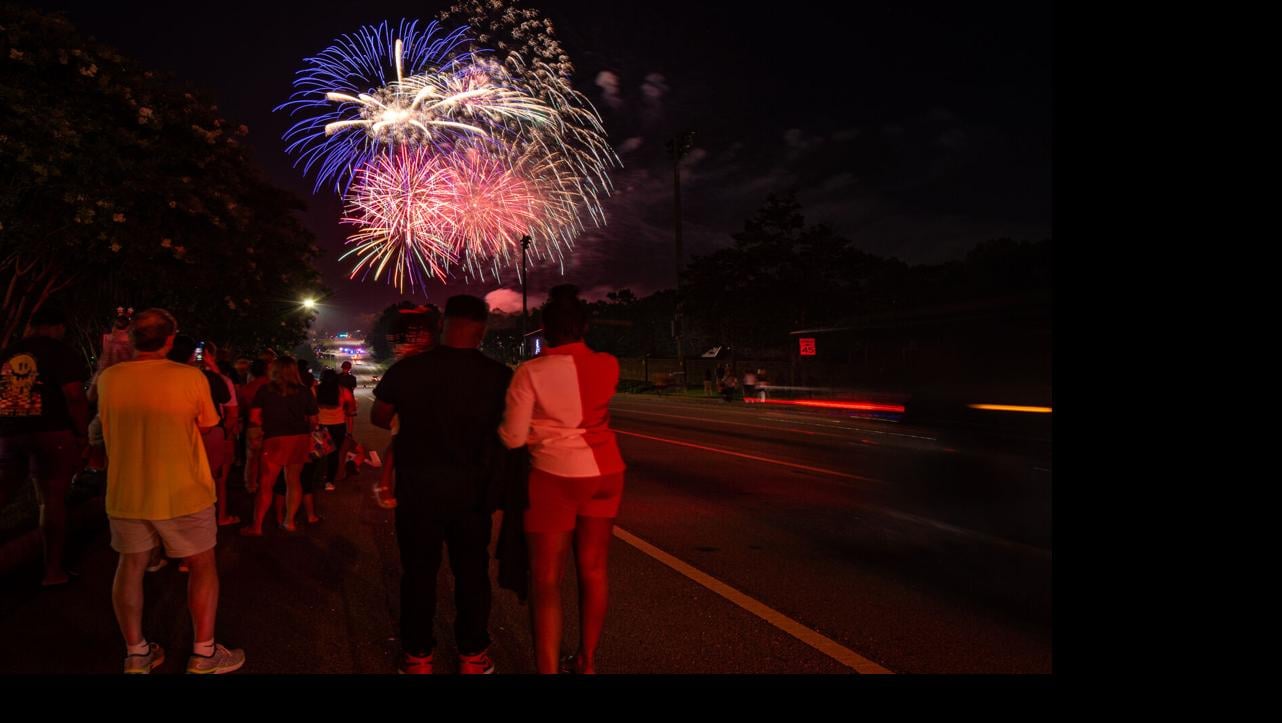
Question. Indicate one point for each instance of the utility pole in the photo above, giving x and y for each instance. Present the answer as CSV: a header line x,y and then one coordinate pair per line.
x,y
678,146
525,245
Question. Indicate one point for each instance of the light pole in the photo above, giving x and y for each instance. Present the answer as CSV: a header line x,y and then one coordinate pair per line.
x,y
678,146
525,245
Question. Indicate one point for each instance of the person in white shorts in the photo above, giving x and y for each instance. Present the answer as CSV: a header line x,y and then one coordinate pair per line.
x,y
160,490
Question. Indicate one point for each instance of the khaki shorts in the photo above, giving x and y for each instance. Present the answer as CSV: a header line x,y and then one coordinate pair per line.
x,y
183,536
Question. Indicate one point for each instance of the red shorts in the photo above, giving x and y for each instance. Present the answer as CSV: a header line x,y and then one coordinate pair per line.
x,y
290,449
555,502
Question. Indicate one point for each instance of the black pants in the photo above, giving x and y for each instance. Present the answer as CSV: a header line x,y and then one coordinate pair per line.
x,y
337,432
467,539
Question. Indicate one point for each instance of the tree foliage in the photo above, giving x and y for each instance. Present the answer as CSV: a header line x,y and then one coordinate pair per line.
x,y
119,187
782,275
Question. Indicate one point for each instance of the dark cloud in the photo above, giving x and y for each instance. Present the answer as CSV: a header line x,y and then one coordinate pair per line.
x,y
631,145
608,82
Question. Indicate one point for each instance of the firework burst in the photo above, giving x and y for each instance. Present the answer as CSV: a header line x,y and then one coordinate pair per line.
x,y
447,154
382,88
421,215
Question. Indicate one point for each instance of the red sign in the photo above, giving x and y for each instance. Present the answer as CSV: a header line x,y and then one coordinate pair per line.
x,y
807,346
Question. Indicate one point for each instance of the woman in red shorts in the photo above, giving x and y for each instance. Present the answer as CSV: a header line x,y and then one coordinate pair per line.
x,y
558,404
287,412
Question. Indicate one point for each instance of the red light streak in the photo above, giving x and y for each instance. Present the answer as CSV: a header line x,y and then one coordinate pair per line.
x,y
860,406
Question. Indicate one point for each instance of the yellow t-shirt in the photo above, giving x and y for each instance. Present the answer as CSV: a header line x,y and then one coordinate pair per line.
x,y
151,412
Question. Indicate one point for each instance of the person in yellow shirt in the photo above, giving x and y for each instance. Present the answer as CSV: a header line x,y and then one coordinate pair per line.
x,y
160,490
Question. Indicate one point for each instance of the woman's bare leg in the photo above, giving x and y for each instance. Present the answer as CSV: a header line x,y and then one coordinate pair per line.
x,y
591,549
293,493
267,477
547,566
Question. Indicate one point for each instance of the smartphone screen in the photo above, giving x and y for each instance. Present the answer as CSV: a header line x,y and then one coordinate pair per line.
x,y
200,351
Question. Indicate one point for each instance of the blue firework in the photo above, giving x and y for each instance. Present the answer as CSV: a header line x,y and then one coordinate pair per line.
x,y
330,140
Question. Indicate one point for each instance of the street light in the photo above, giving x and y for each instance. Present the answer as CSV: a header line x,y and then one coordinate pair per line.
x,y
309,303
525,247
678,147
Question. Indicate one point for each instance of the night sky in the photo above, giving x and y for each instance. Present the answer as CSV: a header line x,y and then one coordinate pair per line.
x,y
916,130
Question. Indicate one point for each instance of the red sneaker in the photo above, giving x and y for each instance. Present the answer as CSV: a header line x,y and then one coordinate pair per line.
x,y
479,664
416,665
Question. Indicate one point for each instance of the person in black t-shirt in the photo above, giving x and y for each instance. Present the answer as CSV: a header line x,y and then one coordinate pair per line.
x,y
346,378
44,420
450,402
287,412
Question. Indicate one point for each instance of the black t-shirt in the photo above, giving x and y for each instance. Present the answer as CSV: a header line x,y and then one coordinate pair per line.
x,y
32,372
285,415
347,380
450,403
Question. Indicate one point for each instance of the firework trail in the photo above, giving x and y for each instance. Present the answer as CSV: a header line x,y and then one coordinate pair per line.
x,y
381,88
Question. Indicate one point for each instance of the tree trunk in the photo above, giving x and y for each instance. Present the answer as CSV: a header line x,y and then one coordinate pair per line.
x,y
26,294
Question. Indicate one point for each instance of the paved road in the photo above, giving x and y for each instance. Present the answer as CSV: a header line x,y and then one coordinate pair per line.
x,y
901,544
750,541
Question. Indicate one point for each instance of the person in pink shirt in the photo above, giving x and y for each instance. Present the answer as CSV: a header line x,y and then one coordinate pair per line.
x,y
558,405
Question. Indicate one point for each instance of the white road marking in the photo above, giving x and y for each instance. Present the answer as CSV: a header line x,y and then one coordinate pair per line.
x,y
871,507
814,639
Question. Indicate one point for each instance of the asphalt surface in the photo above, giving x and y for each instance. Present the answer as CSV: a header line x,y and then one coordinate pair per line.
x,y
902,544
897,548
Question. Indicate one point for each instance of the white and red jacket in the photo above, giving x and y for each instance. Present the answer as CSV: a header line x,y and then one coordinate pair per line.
x,y
559,404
